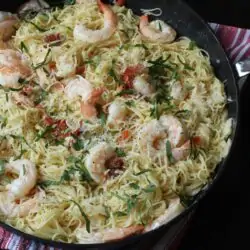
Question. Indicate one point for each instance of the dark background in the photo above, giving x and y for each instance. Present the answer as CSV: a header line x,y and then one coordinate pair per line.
x,y
222,219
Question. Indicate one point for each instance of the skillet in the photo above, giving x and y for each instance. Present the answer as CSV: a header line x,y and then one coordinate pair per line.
x,y
187,23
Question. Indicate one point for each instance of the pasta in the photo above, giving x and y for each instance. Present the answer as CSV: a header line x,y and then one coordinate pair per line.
x,y
120,129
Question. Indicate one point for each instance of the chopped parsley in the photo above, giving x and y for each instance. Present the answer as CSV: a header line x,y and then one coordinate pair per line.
x,y
2,167
150,188
192,45
134,185
169,152
142,172
120,152
79,144
24,48
36,26
87,221
44,62
126,92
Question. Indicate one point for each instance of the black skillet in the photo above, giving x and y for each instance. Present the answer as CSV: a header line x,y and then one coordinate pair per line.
x,y
187,23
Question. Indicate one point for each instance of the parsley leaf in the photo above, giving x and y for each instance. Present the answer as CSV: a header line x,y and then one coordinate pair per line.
x,y
44,62
2,167
134,185
126,92
24,48
142,172
150,188
120,152
169,152
36,26
87,221
79,144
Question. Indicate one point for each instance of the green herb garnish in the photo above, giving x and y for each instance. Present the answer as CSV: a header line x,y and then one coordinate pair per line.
x,y
24,48
186,66
160,27
150,188
87,221
192,45
43,133
126,92
142,172
134,185
154,112
113,74
128,46
44,62
120,214
169,152
130,103
78,144
183,113
2,167
36,26
120,152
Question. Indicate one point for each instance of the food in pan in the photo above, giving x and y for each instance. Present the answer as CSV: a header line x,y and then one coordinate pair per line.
x,y
109,122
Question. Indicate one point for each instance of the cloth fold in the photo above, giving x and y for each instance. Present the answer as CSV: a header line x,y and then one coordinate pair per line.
x,y
236,42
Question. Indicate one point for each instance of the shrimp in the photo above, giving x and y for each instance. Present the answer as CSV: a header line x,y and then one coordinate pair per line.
x,y
178,92
92,36
19,188
142,86
79,86
10,208
173,210
7,27
117,113
22,100
108,234
174,128
154,135
182,152
96,159
157,31
12,68
26,180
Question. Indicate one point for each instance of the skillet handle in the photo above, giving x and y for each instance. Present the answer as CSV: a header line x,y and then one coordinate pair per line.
x,y
243,70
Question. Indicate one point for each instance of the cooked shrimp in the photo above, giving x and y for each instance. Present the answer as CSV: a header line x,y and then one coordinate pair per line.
x,y
108,234
78,86
7,27
22,100
204,134
12,68
174,128
96,159
154,135
120,233
27,177
152,138
178,92
10,208
142,86
92,36
157,31
182,152
173,210
117,112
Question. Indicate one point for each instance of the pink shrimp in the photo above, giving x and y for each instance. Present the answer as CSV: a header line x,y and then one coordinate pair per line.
x,y
151,31
92,36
